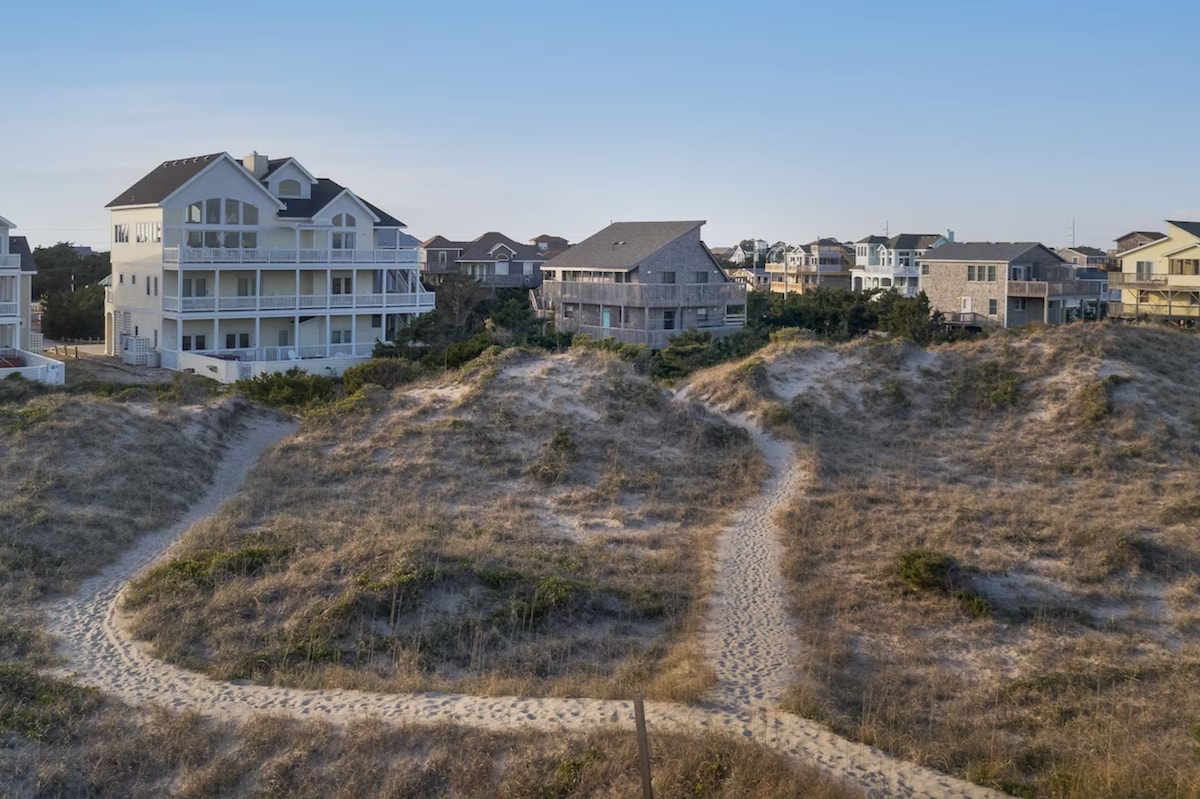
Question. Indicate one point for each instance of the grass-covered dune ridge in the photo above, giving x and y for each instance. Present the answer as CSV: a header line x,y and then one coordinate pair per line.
x,y
531,525
996,571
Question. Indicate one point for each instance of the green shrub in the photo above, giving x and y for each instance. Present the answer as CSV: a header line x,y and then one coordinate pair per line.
x,y
926,570
383,372
41,708
294,388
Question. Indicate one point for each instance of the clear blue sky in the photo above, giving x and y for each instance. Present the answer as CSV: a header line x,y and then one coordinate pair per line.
x,y
1000,120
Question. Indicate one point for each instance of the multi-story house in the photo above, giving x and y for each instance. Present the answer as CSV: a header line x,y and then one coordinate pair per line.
x,y
1084,256
1006,284
493,259
1137,238
20,347
232,268
823,263
1161,278
641,283
550,246
891,262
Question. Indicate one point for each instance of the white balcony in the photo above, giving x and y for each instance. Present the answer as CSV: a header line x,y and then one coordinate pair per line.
x,y
10,263
10,308
414,302
189,255
890,271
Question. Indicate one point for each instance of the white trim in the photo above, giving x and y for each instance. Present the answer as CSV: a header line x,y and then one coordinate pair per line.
x,y
279,204
5,223
289,160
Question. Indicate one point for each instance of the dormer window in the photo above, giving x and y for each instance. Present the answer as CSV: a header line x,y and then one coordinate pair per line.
x,y
343,240
289,188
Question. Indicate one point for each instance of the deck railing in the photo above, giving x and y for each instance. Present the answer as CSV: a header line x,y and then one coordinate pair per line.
x,y
422,300
259,255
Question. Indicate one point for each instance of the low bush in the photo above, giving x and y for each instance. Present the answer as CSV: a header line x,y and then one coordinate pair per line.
x,y
294,388
382,372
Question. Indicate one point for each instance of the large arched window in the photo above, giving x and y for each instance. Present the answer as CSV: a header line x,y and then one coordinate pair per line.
x,y
220,223
343,239
289,188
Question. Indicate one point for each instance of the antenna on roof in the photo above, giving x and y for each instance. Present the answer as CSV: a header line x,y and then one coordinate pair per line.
x,y
1072,232
887,234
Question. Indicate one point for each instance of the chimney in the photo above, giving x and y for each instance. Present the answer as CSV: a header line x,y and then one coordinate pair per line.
x,y
256,164
950,235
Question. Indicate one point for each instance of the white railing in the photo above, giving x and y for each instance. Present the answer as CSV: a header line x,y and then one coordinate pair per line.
x,y
12,261
34,367
290,302
238,255
298,352
9,308
883,269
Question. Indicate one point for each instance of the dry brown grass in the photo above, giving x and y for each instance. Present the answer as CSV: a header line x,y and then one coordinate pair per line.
x,y
536,525
1054,471
104,749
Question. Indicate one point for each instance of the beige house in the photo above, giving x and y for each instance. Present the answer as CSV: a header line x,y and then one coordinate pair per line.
x,y
1161,278
1007,284
641,283
824,263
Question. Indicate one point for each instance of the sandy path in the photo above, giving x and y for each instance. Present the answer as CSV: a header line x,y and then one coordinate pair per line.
x,y
100,654
749,633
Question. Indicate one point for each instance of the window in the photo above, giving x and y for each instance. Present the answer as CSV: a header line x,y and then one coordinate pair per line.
x,y
147,287
1019,304
340,337
341,285
666,277
230,341
700,277
147,232
343,241
186,344
442,257
1144,269
121,278
376,320
289,188
701,316
156,285
120,234
212,212
971,273
992,308
387,239
195,287
991,273
193,215
201,343
246,287
237,340
925,269
133,279
233,212
669,317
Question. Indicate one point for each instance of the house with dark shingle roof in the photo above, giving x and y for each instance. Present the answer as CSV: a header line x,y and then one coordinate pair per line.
x,y
1136,238
824,263
641,283
1084,256
20,346
236,267
493,259
890,262
1160,279
1006,284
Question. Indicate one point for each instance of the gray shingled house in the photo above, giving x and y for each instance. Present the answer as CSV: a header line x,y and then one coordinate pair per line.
x,y
641,283
1006,284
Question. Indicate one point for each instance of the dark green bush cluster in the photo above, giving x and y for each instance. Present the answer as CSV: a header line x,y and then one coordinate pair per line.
x,y
294,388
382,372
928,570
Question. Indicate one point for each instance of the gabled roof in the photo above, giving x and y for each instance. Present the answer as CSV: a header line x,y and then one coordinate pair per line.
x,y
1090,252
551,241
19,245
325,191
1192,228
872,240
163,181
622,245
484,247
443,243
5,223
984,251
912,241
274,164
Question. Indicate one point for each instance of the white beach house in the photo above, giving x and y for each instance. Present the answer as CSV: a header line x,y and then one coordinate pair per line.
x,y
20,347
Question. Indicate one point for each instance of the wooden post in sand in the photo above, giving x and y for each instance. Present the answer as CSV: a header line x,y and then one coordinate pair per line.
x,y
639,715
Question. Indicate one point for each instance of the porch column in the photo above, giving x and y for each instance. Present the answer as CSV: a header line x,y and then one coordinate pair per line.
x,y
216,289
328,327
257,290
216,332
296,332
297,288
258,345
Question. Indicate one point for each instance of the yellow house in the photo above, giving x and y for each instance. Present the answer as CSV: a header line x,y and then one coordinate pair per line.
x,y
1161,279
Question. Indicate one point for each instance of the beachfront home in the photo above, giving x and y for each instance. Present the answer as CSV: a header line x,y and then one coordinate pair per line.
x,y
493,259
1161,278
891,262
20,346
232,268
805,267
641,283
1006,284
